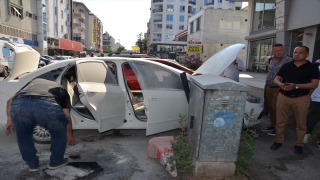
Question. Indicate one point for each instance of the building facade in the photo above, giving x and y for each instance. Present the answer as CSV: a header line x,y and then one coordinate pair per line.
x,y
80,24
108,42
289,22
218,4
211,30
167,19
24,22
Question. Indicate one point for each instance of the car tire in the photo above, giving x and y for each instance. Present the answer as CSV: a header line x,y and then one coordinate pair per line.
x,y
41,135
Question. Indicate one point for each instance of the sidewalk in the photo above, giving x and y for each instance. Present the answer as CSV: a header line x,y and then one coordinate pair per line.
x,y
283,163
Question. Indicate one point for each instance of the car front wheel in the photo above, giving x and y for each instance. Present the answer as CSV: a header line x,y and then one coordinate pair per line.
x,y
41,135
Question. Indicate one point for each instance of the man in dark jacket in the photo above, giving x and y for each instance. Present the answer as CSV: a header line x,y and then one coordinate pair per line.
x,y
47,104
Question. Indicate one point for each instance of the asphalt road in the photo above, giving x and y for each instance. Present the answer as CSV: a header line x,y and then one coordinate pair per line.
x,y
122,156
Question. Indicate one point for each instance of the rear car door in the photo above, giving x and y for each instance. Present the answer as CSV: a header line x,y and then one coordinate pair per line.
x,y
101,94
164,96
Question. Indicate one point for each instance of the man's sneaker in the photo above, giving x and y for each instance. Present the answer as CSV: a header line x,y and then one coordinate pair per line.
x,y
306,137
62,163
272,133
298,149
267,129
34,168
276,146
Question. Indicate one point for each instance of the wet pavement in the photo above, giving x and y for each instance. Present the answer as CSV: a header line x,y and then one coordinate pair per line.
x,y
122,156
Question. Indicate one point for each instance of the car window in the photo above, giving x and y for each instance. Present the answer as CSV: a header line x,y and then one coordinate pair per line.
x,y
51,75
101,74
113,68
156,77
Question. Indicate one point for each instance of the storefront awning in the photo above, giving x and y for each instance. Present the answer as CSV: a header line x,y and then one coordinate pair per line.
x,y
180,35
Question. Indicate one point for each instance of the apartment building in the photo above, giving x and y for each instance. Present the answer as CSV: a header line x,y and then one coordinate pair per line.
x,y
218,4
167,19
95,33
59,29
108,42
80,24
289,22
24,21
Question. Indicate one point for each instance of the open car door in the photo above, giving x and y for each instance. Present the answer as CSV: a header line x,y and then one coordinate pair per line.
x,y
164,96
101,94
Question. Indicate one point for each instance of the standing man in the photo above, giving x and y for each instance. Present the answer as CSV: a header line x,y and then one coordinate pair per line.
x,y
47,104
295,80
272,91
232,71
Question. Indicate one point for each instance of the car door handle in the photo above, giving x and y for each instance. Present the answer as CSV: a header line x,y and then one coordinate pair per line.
x,y
153,98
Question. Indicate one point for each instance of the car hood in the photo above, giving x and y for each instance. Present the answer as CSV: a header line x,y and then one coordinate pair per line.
x,y
220,61
25,60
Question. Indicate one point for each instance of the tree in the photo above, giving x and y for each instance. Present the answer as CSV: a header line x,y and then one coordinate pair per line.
x,y
107,49
141,42
120,48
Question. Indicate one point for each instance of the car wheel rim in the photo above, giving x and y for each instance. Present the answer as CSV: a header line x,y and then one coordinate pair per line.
x,y
41,133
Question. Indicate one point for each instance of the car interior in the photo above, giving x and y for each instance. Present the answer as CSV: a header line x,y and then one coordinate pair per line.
x,y
69,82
136,101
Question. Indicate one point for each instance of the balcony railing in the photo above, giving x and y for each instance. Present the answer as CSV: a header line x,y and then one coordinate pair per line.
x,y
157,30
157,10
156,39
156,1
191,2
209,3
79,14
190,12
182,10
157,20
81,25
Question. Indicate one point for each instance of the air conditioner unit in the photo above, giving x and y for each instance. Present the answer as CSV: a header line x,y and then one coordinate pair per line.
x,y
67,23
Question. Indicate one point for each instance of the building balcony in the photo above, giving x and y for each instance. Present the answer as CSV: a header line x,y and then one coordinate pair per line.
x,y
190,12
148,24
79,25
82,35
157,10
157,30
182,10
156,39
79,15
157,1
157,20
191,2
209,3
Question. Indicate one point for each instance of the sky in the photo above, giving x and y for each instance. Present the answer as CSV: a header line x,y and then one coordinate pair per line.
x,y
124,20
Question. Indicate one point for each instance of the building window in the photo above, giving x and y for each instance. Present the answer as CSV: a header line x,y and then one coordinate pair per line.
x,y
191,27
169,8
55,10
181,27
169,26
34,37
20,2
15,11
264,14
61,14
182,8
29,15
260,52
169,36
62,28
181,19
35,17
194,10
219,1
169,17
208,2
231,2
68,17
198,24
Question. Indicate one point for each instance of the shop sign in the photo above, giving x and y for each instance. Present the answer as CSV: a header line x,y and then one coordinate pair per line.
x,y
194,49
194,41
94,30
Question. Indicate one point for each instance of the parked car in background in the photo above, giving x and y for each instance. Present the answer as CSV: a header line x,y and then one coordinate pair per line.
x,y
45,60
60,58
48,57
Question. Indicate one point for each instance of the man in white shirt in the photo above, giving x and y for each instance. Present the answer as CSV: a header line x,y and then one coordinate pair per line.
x,y
232,71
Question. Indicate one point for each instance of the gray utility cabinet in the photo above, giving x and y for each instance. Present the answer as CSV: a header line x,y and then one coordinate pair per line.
x,y
215,117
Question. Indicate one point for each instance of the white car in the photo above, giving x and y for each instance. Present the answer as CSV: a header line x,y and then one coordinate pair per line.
x,y
99,94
